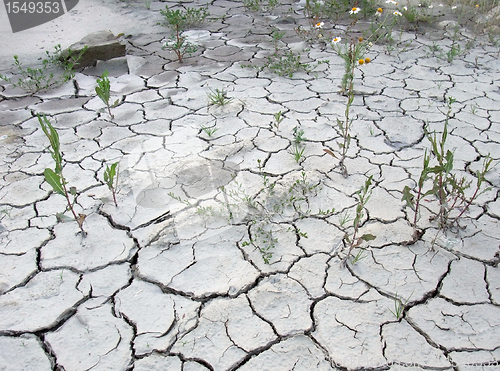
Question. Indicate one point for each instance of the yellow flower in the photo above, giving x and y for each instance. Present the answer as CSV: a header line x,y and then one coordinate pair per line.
x,y
367,60
354,10
360,39
361,61
380,10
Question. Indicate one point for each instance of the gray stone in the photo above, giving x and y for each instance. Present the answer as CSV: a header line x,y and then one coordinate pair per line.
x,y
42,303
23,353
92,339
473,326
102,45
465,283
83,253
295,353
308,271
349,330
158,362
405,345
107,281
283,302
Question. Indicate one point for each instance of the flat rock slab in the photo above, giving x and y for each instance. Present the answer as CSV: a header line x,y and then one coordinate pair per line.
x,y
102,45
235,242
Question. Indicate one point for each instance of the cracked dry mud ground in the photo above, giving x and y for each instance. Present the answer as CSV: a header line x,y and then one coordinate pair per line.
x,y
157,286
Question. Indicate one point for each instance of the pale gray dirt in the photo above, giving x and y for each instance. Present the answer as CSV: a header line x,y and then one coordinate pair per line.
x,y
163,283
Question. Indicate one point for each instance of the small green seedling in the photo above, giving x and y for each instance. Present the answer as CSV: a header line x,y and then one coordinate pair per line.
x,y
298,152
278,118
298,135
103,90
218,97
209,130
55,177
359,256
399,306
109,178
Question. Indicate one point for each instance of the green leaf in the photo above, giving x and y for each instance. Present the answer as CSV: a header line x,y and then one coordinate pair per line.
x,y
55,181
408,197
109,174
368,237
449,162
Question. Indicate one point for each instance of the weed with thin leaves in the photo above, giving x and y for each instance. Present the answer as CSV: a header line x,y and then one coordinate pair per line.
x,y
298,152
55,177
344,218
36,79
399,306
178,21
218,97
259,5
298,135
278,118
359,256
354,241
109,179
209,130
447,188
103,91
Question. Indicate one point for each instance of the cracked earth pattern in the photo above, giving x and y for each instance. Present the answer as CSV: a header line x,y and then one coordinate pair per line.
x,y
162,284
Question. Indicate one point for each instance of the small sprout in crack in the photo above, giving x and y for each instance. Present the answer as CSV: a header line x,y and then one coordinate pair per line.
x,y
327,212
298,152
209,130
399,306
344,218
218,97
298,135
278,118
178,198
103,90
359,256
109,178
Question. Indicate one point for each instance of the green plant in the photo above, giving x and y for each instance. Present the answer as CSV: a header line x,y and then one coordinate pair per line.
x,y
344,218
298,135
55,177
298,152
278,117
209,130
103,91
448,189
364,195
148,4
109,179
218,97
359,256
36,79
399,306
253,5
256,5
178,21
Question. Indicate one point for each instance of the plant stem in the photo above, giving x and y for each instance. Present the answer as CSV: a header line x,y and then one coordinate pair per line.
x,y
63,182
